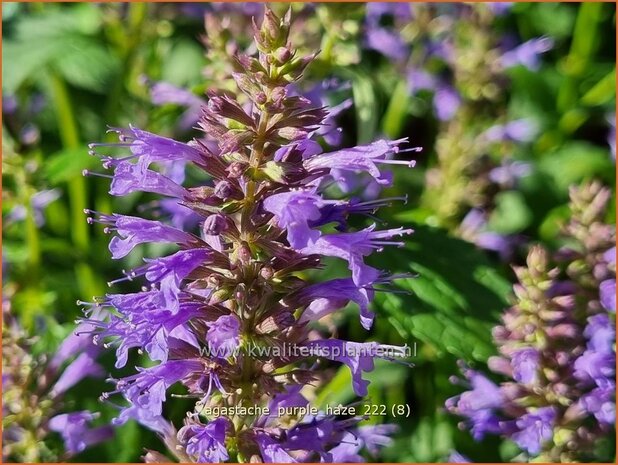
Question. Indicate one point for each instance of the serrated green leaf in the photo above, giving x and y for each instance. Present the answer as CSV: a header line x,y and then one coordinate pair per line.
x,y
455,299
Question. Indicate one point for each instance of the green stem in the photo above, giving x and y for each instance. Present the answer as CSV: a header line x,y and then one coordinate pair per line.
x,y
136,17
397,111
78,197
583,47
34,243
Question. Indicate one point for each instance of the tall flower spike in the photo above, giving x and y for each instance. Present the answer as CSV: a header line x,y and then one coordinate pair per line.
x,y
227,315
557,347
33,391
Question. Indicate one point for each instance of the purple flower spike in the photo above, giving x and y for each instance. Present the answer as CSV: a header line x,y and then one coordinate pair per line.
x,y
557,349
248,233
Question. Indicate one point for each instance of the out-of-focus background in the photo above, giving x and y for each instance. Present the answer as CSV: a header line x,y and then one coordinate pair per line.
x,y
511,103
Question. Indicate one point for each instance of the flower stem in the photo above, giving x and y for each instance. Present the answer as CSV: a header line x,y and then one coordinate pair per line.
x,y
69,134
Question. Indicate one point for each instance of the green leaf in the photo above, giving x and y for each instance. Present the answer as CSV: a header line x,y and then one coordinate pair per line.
x,y
66,164
511,214
602,92
397,110
431,440
21,60
184,64
86,63
576,161
551,18
63,37
365,103
455,299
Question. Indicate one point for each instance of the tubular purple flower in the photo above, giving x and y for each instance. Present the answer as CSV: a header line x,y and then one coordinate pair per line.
x,y
294,210
527,54
534,429
520,130
446,102
75,432
223,336
206,442
595,367
525,363
456,457
164,92
601,403
352,247
607,290
133,231
84,366
149,148
147,389
332,295
364,159
359,357
131,177
272,451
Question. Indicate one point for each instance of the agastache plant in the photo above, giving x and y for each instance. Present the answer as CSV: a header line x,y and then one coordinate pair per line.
x,y
229,314
557,347
33,389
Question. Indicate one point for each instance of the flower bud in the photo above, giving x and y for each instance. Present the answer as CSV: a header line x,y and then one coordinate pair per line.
x,y
282,54
244,254
215,224
267,272
223,189
236,169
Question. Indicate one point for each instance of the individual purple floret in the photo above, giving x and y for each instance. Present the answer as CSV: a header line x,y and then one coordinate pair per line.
x,y
74,429
528,53
557,346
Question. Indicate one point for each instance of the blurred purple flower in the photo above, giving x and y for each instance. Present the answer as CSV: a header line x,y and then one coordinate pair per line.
x,y
528,53
534,429
73,427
